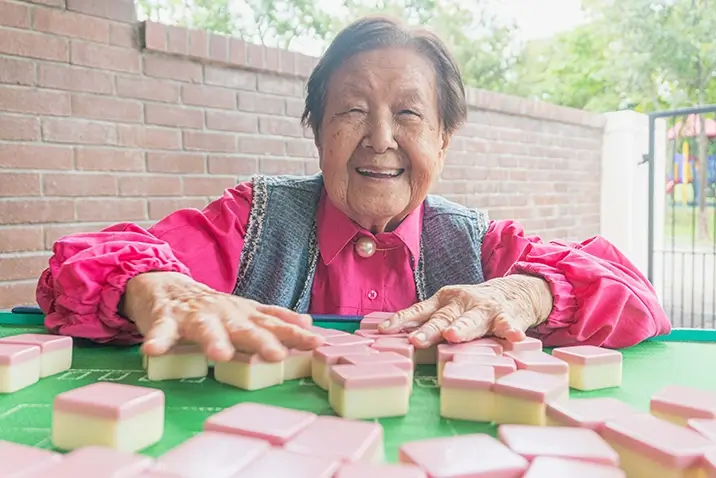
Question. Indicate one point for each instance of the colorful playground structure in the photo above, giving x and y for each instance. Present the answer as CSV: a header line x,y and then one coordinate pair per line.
x,y
683,174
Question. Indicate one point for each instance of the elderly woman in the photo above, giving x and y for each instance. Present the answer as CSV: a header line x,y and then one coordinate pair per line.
x,y
364,235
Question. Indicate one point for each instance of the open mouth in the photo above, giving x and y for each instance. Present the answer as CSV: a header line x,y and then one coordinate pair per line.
x,y
380,173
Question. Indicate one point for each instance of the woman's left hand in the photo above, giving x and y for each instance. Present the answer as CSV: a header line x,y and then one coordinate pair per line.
x,y
504,307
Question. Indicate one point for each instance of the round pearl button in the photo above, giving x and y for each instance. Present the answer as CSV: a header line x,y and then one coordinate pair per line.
x,y
365,247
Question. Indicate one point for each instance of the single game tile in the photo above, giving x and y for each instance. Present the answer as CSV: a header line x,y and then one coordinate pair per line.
x,y
382,358
327,332
531,385
348,340
467,375
213,454
589,413
372,470
16,458
266,422
685,402
538,361
348,440
493,343
529,344
330,354
464,456
379,315
549,467
13,354
400,346
447,351
501,364
662,441
374,319
104,462
46,342
587,355
558,442
277,463
369,375
109,400
705,426
709,464
376,335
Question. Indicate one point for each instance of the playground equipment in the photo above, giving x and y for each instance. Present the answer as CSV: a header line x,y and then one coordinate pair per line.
x,y
683,176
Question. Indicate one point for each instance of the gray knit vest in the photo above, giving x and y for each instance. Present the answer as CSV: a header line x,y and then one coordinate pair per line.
x,y
280,252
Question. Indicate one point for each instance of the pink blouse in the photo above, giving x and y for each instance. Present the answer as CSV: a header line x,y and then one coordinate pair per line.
x,y
600,298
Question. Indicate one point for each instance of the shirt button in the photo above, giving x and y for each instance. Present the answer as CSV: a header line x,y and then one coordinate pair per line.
x,y
372,295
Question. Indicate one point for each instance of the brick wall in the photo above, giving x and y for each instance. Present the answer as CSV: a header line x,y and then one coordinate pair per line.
x,y
105,120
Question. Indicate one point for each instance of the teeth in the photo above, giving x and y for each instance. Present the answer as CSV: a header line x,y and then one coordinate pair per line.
x,y
386,172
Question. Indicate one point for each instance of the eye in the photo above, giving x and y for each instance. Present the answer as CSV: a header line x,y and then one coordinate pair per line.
x,y
409,113
356,110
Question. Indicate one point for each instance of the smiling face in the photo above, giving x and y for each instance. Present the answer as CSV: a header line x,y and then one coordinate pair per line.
x,y
381,143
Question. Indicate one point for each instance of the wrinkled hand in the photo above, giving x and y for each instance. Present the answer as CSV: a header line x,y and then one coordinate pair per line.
x,y
504,307
168,307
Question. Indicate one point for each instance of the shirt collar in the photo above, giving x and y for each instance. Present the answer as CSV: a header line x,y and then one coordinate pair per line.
x,y
336,230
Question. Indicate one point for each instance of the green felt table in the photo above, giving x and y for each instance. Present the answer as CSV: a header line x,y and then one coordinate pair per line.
x,y
686,357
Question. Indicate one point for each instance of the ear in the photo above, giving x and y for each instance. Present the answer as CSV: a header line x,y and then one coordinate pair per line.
x,y
446,138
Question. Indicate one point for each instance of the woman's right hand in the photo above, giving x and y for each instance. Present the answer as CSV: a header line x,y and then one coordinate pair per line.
x,y
169,307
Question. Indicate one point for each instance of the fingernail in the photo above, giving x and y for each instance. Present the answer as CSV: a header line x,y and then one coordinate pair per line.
x,y
421,337
384,325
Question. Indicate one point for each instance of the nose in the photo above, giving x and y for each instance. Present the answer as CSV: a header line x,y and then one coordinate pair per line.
x,y
380,135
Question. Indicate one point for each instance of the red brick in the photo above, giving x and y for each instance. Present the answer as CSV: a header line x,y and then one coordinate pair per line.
x,y
65,77
53,232
105,57
259,103
34,45
120,10
255,56
175,162
287,62
218,47
79,184
19,128
281,166
212,142
18,72
21,239
237,51
268,146
69,24
198,44
111,209
19,185
229,121
172,68
301,148
280,127
312,166
14,15
177,40
51,3
210,186
104,108
295,107
106,159
159,208
27,100
66,130
31,156
305,65
33,211
279,85
199,95
155,36
149,137
124,35
179,116
237,165
17,293
271,59
155,185
23,267
148,89
230,78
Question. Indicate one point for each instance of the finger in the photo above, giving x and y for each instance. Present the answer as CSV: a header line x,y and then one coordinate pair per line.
x,y
249,338
290,335
208,331
287,315
431,332
473,324
413,316
161,336
509,328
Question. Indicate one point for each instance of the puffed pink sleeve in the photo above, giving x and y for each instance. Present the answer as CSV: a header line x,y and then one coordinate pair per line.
x,y
80,290
599,297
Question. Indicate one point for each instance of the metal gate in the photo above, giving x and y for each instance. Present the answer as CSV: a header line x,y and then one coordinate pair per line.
x,y
682,232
